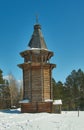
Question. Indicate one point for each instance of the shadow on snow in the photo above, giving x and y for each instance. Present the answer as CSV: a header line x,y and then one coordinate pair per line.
x,y
11,111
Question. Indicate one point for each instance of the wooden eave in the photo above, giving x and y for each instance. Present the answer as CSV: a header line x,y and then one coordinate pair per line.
x,y
39,52
36,65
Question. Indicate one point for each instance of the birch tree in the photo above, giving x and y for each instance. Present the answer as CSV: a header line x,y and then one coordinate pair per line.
x,y
13,90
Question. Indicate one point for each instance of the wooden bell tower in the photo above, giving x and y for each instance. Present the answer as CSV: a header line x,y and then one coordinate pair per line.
x,y
37,72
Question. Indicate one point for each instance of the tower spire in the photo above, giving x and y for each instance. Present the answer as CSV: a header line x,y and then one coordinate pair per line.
x,y
37,39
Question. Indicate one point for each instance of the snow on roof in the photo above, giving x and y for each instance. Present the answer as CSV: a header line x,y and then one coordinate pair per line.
x,y
48,100
57,102
24,101
38,49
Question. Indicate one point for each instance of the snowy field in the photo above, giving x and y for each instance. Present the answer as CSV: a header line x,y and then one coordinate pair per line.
x,y
14,120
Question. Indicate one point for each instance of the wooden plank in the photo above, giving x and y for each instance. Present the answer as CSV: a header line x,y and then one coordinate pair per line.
x,y
36,107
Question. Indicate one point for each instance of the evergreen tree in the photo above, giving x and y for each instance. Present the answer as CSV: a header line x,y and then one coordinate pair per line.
x,y
75,86
54,88
5,96
71,92
57,90
1,77
4,93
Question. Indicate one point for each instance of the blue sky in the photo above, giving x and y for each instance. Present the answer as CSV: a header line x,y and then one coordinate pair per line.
x,y
62,24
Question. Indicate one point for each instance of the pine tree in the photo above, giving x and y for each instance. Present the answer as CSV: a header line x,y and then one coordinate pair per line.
x,y
1,77
75,86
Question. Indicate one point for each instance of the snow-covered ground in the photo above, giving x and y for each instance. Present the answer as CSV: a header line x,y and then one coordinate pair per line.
x,y
14,120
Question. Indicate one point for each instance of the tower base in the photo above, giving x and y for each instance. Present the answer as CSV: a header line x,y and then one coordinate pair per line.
x,y
36,107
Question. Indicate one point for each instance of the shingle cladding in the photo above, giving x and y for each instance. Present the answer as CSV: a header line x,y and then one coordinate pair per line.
x,y
37,39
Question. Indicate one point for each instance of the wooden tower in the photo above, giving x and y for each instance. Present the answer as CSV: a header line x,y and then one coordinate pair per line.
x,y
37,74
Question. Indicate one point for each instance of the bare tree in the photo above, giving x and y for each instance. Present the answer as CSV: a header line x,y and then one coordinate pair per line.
x,y
13,89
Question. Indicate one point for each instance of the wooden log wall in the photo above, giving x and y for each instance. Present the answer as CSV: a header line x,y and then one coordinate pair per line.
x,y
36,107
36,85
47,83
27,84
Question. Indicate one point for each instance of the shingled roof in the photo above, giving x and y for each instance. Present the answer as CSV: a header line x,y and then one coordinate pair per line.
x,y
37,40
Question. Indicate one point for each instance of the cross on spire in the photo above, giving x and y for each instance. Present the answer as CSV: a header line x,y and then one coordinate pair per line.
x,y
37,19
